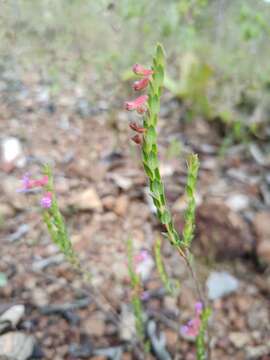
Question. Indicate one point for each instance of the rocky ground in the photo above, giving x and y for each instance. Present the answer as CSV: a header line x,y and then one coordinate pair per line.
x,y
48,310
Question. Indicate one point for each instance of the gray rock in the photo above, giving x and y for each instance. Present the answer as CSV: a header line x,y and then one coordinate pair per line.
x,y
12,152
11,317
16,346
220,284
237,202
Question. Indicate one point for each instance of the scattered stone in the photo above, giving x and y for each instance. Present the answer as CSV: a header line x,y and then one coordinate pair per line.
x,y
257,154
11,150
263,251
42,264
120,270
10,318
83,350
220,284
108,202
237,202
40,297
171,338
261,224
257,352
16,346
121,205
17,235
258,317
86,200
113,352
158,342
95,325
6,211
9,185
239,339
127,324
122,182
170,303
222,233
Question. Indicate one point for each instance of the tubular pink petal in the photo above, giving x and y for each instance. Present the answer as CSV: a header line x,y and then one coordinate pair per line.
x,y
137,104
141,84
140,70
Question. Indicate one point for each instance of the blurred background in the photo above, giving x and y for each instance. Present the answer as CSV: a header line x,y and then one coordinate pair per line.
x,y
65,73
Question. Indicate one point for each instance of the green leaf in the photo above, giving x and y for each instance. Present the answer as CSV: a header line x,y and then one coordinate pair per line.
x,y
155,105
148,171
157,188
162,197
151,136
156,201
155,149
160,55
152,161
157,174
151,91
159,78
165,217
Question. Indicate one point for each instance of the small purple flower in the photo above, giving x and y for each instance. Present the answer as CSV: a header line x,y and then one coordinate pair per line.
x,y
26,183
46,201
192,328
145,296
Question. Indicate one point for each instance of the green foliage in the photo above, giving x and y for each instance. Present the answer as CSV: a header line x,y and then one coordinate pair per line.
x,y
151,162
169,285
136,287
193,84
150,147
201,351
253,23
188,231
52,217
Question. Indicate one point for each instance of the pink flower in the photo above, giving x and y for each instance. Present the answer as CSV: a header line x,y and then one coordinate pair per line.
x,y
192,328
46,201
137,139
41,182
140,70
142,256
137,128
141,84
29,183
137,104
